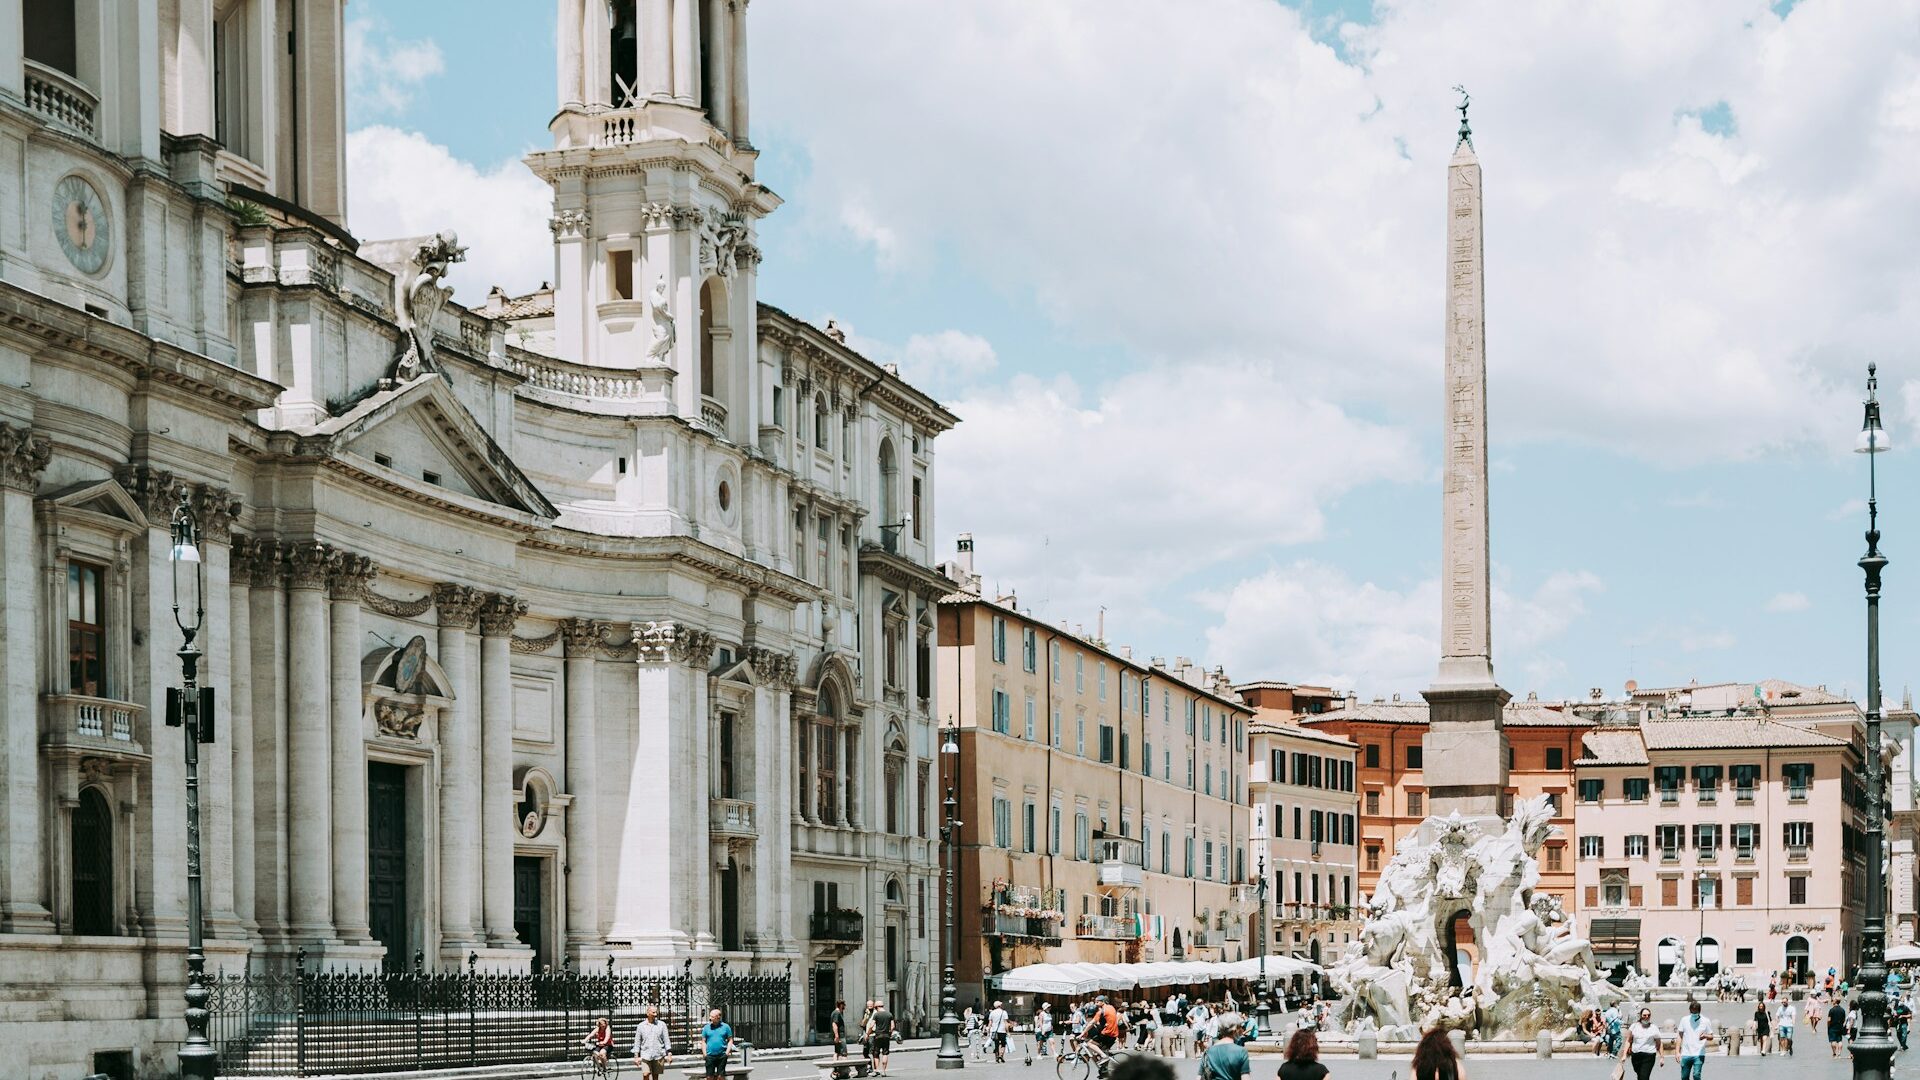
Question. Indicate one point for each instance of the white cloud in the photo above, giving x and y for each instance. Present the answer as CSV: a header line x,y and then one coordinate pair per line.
x,y
1090,496
383,73
1788,602
1314,623
950,359
1205,181
402,184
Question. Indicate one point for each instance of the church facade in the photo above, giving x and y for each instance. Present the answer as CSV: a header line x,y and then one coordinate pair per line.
x,y
597,621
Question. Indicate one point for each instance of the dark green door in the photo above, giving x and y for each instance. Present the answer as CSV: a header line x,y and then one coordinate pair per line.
x,y
387,861
527,922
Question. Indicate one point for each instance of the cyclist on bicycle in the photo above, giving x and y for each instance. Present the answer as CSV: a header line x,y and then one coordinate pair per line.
x,y
1103,1027
599,1042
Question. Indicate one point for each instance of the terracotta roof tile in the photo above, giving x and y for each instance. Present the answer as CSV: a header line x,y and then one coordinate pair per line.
x,y
1730,733
1612,747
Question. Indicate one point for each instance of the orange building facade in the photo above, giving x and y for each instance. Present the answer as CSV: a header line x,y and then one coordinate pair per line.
x,y
1543,744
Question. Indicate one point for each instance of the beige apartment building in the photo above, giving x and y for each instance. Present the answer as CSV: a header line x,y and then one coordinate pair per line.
x,y
1103,800
1721,840
1305,821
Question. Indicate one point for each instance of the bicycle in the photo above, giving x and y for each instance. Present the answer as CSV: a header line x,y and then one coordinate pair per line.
x,y
1080,1059
592,1068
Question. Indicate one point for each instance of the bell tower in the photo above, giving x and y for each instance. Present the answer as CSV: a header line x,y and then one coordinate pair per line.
x,y
655,208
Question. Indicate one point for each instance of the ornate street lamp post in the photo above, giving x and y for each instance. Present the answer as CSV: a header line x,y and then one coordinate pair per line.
x,y
1872,1047
197,1055
950,1056
1262,1008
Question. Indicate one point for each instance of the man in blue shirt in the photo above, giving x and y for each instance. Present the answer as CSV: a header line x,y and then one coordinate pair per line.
x,y
718,1037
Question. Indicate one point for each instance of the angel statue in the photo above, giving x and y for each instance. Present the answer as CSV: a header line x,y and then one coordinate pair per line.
x,y
663,332
418,296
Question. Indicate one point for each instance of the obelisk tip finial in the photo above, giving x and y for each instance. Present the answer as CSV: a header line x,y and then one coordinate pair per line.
x,y
1466,133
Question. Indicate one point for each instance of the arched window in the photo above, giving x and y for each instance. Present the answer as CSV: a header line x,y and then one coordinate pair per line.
x,y
92,865
52,35
822,418
889,495
896,778
894,895
709,386
827,758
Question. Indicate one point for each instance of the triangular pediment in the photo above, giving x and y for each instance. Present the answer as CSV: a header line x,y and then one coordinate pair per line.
x,y
103,497
419,430
740,671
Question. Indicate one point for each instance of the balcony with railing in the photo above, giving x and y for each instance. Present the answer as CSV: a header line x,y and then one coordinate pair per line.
x,y
1243,895
1234,931
1025,912
839,925
60,98
732,819
713,416
1118,873
1107,927
96,725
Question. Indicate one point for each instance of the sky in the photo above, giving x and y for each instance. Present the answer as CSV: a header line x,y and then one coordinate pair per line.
x,y
1178,268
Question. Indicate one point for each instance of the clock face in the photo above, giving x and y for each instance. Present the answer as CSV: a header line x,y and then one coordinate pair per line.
x,y
82,224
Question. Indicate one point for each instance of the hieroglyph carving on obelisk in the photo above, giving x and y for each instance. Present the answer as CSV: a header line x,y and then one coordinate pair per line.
x,y
1466,647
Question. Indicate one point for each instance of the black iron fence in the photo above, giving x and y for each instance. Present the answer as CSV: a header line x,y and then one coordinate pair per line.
x,y
301,1022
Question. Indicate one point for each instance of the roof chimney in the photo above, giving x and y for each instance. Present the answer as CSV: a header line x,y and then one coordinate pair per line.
x,y
964,545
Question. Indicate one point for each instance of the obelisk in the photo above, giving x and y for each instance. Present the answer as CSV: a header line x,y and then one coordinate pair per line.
x,y
1465,749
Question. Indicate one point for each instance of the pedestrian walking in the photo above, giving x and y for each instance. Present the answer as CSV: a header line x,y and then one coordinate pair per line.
x,y
1783,1028
1043,1028
652,1045
1761,1023
1303,1058
1226,1059
880,1032
1435,1059
1644,1046
1836,1028
998,1024
1696,1034
717,1040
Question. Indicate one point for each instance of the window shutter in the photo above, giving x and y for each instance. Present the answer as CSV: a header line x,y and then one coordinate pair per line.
x,y
1743,891
1636,894
1593,896
1669,892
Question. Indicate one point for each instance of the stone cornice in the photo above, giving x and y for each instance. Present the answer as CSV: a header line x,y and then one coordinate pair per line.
x,y
23,456
904,572
155,363
682,550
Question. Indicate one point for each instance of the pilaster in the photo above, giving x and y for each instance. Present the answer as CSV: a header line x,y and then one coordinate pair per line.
x,y
310,747
582,637
458,607
497,617
23,894
347,581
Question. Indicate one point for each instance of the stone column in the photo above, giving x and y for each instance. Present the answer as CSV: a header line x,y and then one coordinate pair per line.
x,y
719,23
238,733
459,736
686,52
572,15
738,11
596,70
23,895
267,620
660,896
497,833
583,845
656,47
215,509
309,746
347,585
693,652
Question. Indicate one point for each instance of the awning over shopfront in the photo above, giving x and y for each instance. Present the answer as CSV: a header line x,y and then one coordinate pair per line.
x,y
1089,978
1615,940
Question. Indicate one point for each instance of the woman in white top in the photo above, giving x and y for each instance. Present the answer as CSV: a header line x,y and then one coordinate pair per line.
x,y
1644,1046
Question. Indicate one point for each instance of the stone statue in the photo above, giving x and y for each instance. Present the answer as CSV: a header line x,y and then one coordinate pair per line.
x,y
720,234
418,296
663,331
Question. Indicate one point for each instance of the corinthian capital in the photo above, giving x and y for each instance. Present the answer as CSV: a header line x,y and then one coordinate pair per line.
x,y
22,456
215,508
457,605
309,562
582,636
349,576
156,490
499,613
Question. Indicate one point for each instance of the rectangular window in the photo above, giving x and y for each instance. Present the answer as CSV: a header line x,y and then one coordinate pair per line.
x,y
779,406
999,640
1670,838
1058,733
1706,839
1743,892
1413,755
1798,836
1706,779
1556,759
1053,834
1082,837
620,274
1080,734
1593,847
1079,673
86,630
926,796
1124,758
918,517
1106,744
1415,807
1615,887
1553,856
1798,777
1636,846
1373,804
1053,659
1002,823
1744,779
825,537
1591,791
1002,712
1373,857
1706,892
1634,788
1667,778
1029,648
1315,831
1669,892
1029,730
1189,856
1189,774
1166,766
1746,836
1146,758
1029,826
1103,680
1373,755
1797,889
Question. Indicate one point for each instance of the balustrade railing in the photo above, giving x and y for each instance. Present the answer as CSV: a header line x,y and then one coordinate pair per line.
x,y
56,96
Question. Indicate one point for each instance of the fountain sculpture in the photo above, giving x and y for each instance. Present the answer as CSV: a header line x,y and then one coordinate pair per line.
x,y
1534,974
